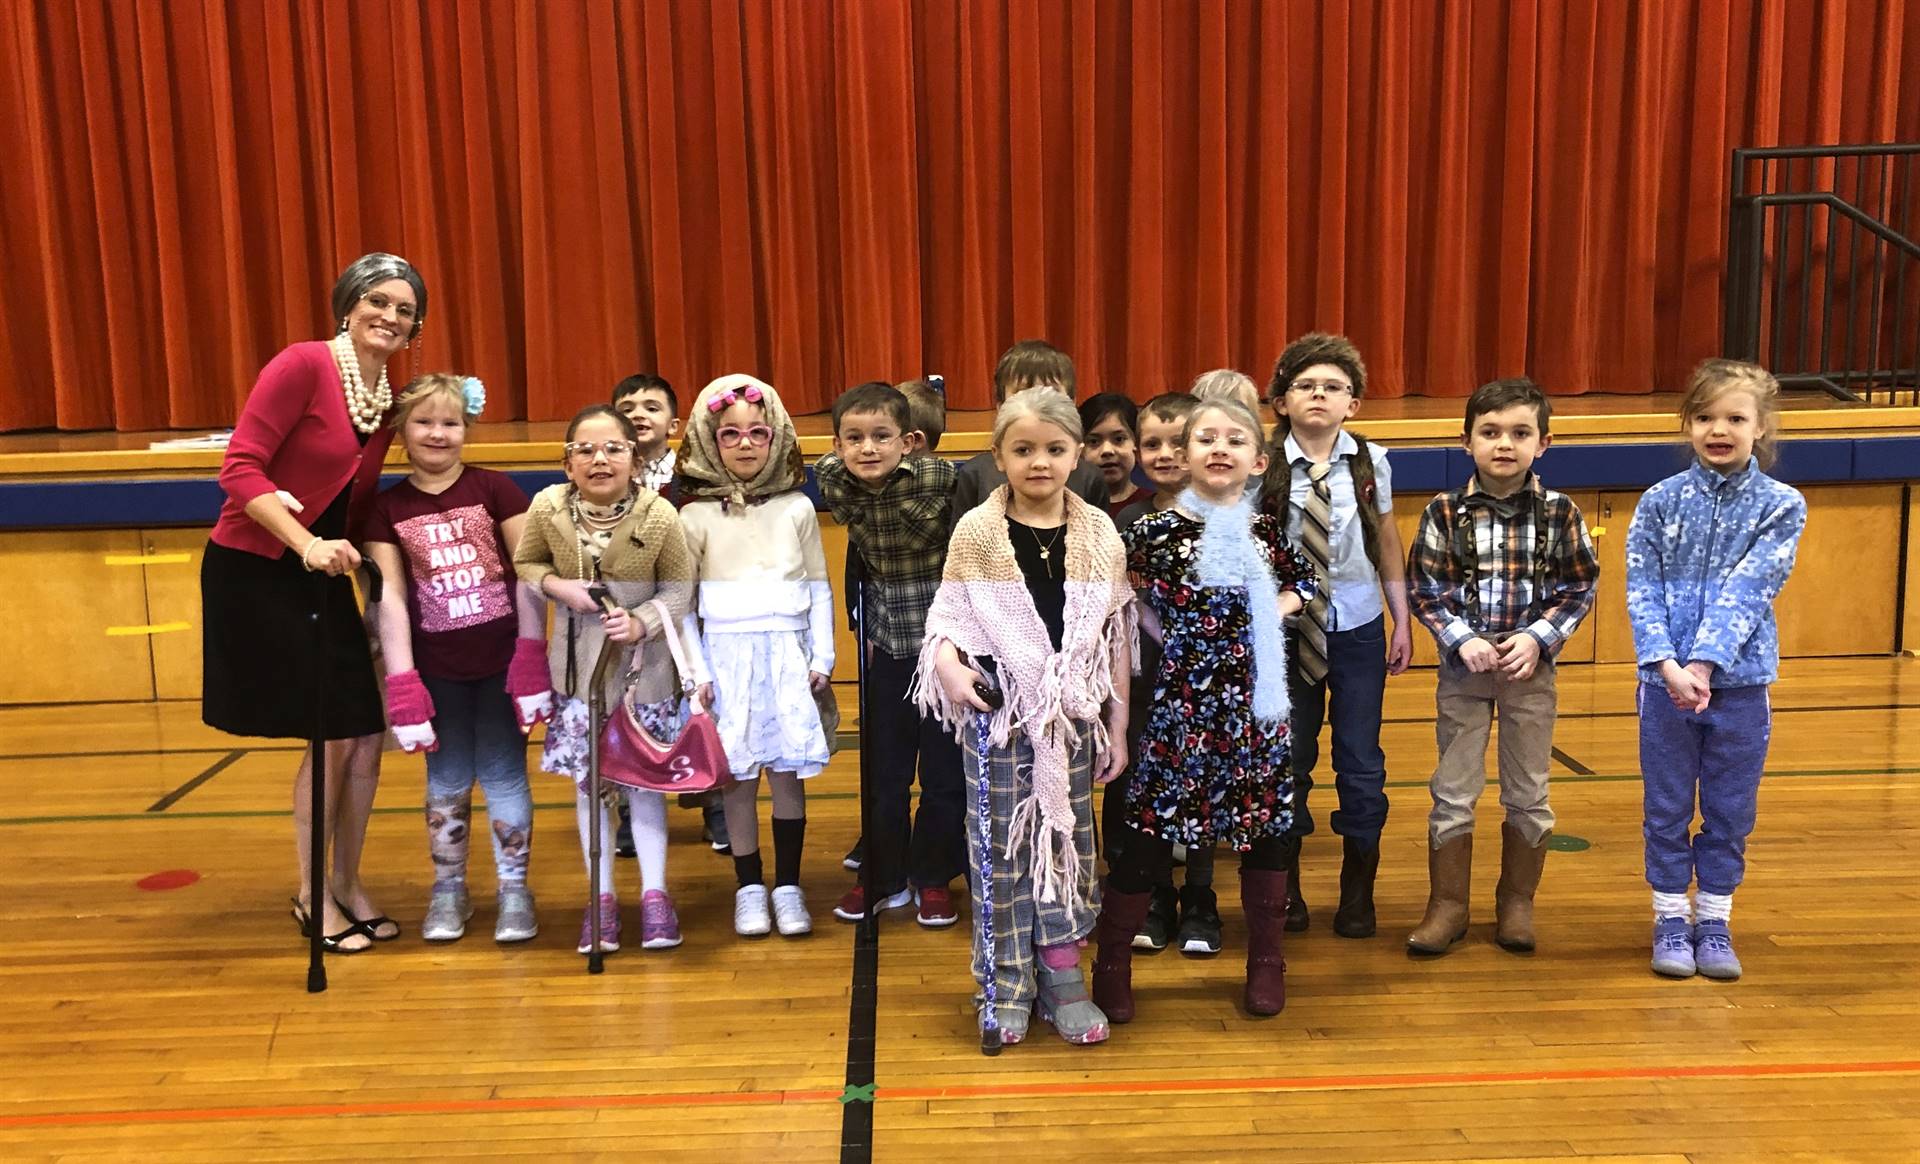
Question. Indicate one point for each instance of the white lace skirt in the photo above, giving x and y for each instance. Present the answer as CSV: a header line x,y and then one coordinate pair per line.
x,y
762,704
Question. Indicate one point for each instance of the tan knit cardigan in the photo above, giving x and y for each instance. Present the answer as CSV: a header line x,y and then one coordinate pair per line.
x,y
646,558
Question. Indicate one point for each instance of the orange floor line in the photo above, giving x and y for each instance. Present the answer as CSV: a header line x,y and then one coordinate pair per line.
x,y
1399,1080
418,1107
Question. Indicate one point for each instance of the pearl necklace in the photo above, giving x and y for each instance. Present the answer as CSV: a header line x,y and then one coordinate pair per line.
x,y
366,408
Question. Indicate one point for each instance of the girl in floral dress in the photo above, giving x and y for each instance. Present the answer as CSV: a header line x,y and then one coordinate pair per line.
x,y
1217,579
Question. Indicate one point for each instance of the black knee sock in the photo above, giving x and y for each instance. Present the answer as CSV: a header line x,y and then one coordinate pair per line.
x,y
1200,866
788,835
747,870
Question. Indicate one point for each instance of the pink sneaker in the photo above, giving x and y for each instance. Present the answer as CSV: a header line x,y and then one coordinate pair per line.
x,y
659,925
609,926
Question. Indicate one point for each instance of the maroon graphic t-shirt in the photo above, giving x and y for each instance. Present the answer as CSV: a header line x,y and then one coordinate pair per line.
x,y
459,582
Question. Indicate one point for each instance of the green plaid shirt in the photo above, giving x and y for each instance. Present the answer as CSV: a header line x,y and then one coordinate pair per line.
x,y
900,532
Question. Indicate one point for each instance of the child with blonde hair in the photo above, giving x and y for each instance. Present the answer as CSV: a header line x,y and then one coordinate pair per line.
x,y
465,655
1707,553
1026,657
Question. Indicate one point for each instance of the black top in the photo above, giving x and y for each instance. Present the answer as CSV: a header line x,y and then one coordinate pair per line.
x,y
1046,576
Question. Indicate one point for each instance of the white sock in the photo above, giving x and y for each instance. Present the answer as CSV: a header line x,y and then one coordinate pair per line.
x,y
580,810
1713,906
1671,905
649,813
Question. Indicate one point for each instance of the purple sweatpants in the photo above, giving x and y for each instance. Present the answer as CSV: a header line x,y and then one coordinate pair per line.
x,y
1718,753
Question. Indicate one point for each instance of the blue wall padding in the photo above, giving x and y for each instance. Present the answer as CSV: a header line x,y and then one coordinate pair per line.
x,y
129,504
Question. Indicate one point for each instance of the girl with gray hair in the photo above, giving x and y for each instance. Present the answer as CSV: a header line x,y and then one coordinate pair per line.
x,y
300,471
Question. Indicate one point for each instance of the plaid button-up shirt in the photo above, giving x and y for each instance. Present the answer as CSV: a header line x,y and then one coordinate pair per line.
x,y
1486,566
900,532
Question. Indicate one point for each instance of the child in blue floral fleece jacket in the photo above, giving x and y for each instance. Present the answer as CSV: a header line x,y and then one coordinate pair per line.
x,y
1707,552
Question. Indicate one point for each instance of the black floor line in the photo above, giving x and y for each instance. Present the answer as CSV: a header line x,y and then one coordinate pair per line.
x,y
213,769
1576,766
856,1102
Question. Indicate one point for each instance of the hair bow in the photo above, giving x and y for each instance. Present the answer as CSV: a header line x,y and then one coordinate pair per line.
x,y
732,396
475,393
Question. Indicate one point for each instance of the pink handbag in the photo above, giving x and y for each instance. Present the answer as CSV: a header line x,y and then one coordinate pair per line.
x,y
630,756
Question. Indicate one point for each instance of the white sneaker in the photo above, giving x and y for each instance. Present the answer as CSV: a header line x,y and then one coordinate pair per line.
x,y
447,914
790,911
750,918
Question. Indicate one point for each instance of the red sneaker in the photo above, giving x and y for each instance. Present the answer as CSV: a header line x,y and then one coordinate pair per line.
x,y
852,905
936,908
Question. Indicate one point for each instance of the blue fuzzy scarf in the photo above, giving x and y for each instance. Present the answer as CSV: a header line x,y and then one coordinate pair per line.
x,y
1228,555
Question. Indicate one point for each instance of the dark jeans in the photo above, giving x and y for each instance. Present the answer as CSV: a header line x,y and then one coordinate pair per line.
x,y
1355,684
1141,862
928,849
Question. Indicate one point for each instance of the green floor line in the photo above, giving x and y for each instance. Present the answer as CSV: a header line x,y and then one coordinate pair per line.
x,y
265,814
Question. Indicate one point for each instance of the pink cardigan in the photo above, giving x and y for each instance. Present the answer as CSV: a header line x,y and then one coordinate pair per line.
x,y
294,434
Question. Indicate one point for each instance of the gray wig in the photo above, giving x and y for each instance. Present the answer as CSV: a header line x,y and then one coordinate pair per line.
x,y
369,271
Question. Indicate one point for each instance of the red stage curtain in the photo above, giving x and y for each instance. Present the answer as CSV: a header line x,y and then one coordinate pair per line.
x,y
823,193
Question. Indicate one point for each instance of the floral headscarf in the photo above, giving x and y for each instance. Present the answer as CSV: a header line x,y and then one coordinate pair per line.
x,y
700,473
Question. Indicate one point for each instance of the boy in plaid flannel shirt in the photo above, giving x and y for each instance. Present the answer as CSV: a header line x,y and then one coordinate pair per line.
x,y
1502,572
895,506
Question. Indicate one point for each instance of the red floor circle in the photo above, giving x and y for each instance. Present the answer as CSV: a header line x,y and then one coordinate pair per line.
x,y
169,879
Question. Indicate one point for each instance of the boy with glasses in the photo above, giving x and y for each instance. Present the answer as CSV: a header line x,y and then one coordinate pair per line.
x,y
1335,494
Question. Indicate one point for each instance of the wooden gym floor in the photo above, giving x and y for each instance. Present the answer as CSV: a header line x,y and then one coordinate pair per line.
x,y
158,1023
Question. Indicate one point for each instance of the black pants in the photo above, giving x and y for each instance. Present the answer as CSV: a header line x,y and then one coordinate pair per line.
x,y
929,848
1140,861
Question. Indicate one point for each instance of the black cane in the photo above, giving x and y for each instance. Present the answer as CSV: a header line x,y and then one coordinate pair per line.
x,y
870,918
317,832
596,715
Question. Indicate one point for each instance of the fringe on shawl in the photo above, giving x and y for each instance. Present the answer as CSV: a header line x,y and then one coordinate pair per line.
x,y
1040,711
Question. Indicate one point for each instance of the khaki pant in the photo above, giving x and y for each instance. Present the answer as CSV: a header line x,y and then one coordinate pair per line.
x,y
1465,705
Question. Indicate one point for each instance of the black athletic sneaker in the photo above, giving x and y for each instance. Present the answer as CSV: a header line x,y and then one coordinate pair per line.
x,y
1199,935
1162,916
852,859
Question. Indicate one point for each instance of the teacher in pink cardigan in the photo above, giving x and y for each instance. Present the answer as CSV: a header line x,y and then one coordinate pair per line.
x,y
300,471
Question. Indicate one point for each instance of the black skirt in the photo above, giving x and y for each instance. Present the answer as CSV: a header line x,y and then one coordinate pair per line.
x,y
265,670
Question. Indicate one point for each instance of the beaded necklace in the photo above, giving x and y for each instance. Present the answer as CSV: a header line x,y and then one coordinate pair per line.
x,y
363,406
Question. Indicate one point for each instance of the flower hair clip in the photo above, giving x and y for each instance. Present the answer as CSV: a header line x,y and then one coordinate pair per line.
x,y
750,393
475,393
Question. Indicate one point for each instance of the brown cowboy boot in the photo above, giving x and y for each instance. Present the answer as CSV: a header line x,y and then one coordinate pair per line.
x,y
1450,870
1360,861
1120,917
1263,895
1520,868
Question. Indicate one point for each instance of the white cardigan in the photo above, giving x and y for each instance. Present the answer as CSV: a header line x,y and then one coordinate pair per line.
x,y
759,568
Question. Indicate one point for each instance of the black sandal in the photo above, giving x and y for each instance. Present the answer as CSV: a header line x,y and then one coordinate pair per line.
x,y
370,925
331,942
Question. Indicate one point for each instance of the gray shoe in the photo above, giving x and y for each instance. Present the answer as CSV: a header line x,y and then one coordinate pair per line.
x,y
1713,950
1064,1003
1673,948
516,922
447,915
1010,1018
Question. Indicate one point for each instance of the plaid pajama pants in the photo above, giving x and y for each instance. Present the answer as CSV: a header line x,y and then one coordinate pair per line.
x,y
1020,922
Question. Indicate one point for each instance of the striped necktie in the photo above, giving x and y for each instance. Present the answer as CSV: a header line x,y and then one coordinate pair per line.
x,y
1316,525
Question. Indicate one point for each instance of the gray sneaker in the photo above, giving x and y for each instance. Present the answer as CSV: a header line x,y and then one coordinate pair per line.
x,y
516,922
1673,948
447,915
1713,950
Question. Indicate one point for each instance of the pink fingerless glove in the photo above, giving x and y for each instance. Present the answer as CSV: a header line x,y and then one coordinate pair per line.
x,y
527,674
530,684
408,702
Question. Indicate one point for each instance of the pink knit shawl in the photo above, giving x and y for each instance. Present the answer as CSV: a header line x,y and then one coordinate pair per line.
x,y
1053,698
